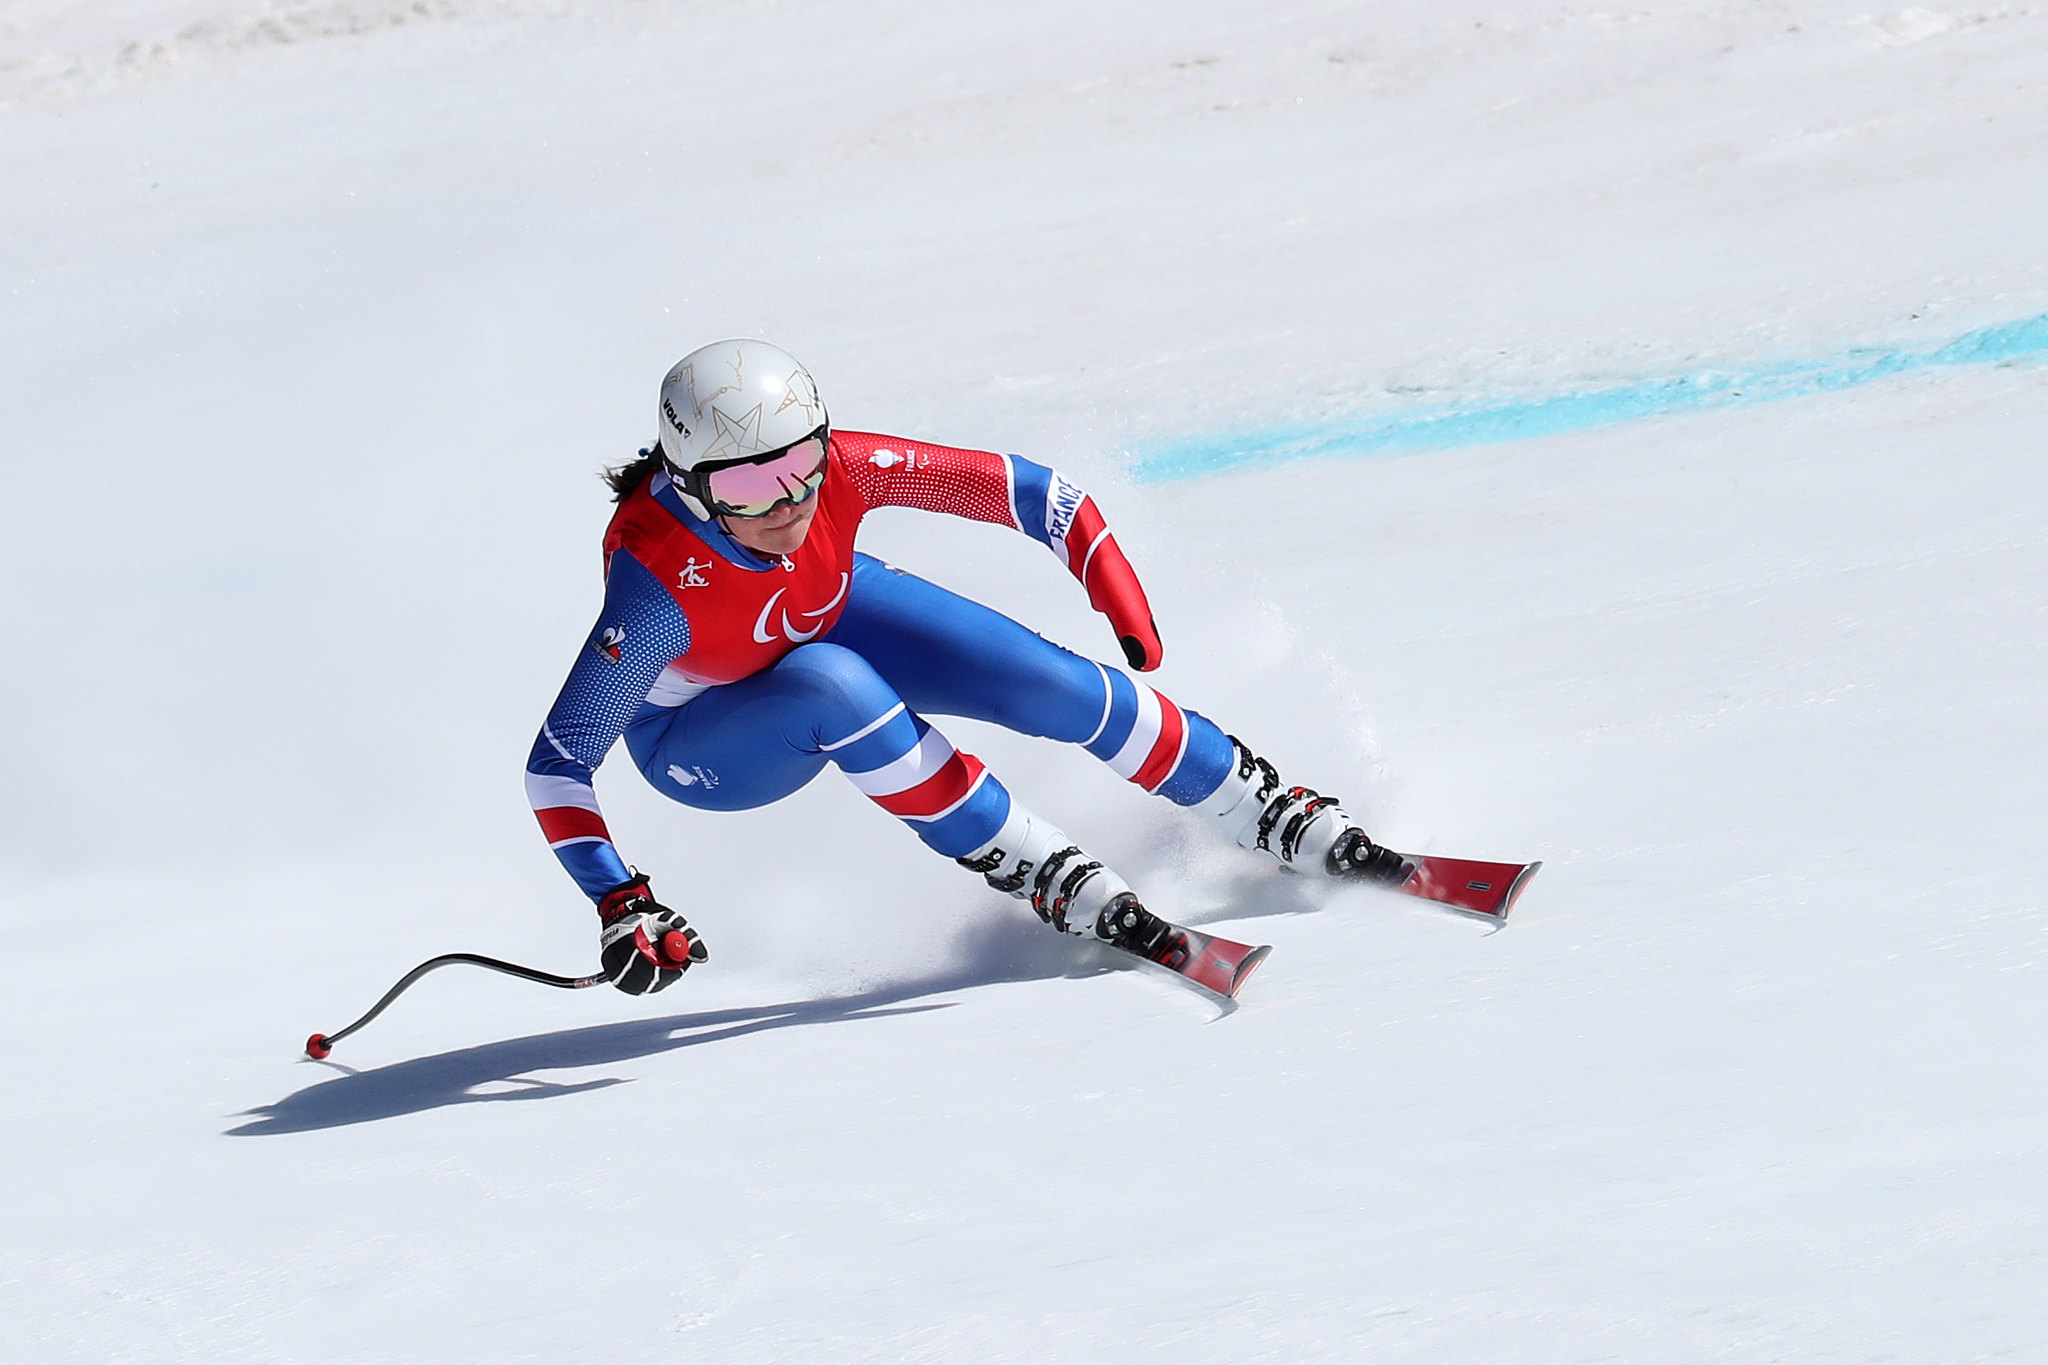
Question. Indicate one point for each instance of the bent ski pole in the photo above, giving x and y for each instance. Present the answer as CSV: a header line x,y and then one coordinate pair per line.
x,y
320,1044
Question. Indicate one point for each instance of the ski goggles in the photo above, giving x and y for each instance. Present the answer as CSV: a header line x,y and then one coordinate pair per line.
x,y
757,486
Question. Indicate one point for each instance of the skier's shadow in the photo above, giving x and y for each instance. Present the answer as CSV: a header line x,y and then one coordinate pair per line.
x,y
995,952
499,1071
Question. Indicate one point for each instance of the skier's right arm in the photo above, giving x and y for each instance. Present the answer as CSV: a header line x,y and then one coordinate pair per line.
x,y
639,632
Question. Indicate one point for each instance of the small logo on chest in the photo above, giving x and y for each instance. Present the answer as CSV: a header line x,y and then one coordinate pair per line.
x,y
692,575
764,636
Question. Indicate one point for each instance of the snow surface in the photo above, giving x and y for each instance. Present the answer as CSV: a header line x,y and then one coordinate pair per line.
x,y
319,317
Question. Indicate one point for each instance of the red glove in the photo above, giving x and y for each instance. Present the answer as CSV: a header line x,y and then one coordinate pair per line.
x,y
1113,588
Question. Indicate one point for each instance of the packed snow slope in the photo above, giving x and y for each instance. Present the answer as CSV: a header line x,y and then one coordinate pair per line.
x,y
319,318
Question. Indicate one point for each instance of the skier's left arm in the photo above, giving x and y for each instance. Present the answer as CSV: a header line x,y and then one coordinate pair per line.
x,y
1010,490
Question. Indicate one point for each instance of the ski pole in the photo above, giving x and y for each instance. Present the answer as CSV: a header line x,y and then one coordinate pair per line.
x,y
320,1044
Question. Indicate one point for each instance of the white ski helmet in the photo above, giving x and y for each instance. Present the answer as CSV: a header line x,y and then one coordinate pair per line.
x,y
733,401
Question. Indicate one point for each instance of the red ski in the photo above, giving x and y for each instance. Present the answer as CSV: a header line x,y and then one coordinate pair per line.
x,y
1212,963
1486,889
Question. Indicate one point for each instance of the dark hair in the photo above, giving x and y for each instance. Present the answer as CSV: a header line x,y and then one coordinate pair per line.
x,y
623,479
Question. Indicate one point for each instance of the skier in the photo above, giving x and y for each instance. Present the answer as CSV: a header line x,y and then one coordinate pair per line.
x,y
744,644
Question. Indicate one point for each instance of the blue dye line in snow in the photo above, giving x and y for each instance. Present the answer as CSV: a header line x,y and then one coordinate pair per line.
x,y
1487,423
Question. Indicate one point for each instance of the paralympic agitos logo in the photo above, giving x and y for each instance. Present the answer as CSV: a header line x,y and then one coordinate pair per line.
x,y
764,636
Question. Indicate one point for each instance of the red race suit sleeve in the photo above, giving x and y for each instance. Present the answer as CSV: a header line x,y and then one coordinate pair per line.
x,y
1009,491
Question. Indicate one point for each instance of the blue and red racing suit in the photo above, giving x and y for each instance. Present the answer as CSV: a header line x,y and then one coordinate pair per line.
x,y
735,678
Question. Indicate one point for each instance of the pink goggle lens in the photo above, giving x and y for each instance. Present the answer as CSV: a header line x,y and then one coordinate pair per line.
x,y
752,490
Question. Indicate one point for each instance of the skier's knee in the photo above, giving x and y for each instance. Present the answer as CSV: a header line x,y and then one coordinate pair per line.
x,y
840,689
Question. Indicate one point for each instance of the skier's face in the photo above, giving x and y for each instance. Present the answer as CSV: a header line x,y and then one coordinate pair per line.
x,y
781,532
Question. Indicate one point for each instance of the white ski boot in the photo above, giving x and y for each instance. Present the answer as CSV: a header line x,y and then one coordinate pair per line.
x,y
1300,828
1032,860
1076,894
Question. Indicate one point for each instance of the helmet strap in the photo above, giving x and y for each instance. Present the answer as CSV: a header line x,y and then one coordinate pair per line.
x,y
692,497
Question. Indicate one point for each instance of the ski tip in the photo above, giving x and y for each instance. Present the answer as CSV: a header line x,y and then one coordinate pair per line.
x,y
317,1047
1245,967
1521,880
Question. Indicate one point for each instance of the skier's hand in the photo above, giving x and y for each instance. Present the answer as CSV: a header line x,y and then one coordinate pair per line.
x,y
1092,555
1114,590
644,945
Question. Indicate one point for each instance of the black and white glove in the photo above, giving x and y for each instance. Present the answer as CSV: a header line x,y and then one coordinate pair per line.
x,y
644,945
